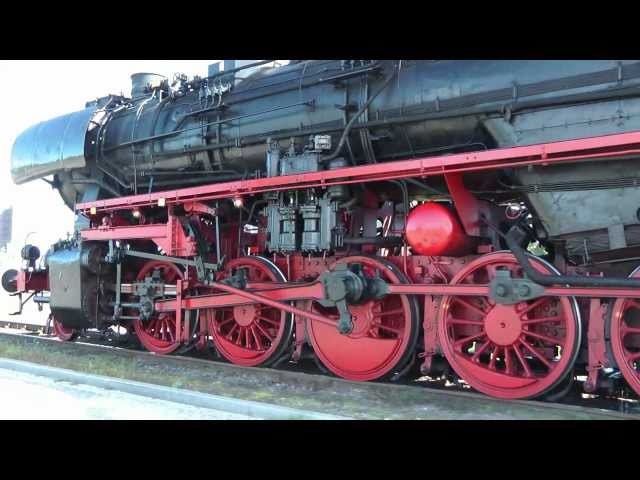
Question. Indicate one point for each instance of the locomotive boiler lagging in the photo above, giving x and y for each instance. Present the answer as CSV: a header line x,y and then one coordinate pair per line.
x,y
352,188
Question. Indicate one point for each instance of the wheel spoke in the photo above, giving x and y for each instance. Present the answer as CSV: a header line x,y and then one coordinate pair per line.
x,y
398,311
240,337
470,306
229,320
462,341
538,303
463,321
507,361
635,356
532,321
269,320
158,329
397,331
633,304
233,329
247,338
256,339
494,358
523,361
534,351
163,329
544,338
487,303
264,332
149,327
480,351
625,330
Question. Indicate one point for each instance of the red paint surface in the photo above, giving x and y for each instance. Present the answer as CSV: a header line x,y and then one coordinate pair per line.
x,y
433,230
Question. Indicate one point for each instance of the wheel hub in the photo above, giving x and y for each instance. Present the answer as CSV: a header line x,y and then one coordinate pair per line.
x,y
244,314
503,325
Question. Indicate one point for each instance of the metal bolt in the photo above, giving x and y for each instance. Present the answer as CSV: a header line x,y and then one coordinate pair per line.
x,y
524,290
501,290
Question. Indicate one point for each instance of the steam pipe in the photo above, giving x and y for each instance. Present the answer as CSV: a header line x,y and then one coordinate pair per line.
x,y
309,103
613,93
185,181
347,129
237,69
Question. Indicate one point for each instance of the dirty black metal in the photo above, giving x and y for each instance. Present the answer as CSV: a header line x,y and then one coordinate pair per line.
x,y
508,291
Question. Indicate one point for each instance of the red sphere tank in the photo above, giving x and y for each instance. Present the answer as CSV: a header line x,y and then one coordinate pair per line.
x,y
433,229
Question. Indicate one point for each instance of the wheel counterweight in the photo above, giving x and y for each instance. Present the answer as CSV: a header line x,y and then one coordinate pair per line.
x,y
384,335
508,351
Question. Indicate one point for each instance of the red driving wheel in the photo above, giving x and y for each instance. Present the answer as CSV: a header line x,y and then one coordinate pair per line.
x,y
508,351
625,337
158,333
250,335
64,333
384,335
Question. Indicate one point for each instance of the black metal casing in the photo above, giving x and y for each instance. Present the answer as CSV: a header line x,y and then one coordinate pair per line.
x,y
75,273
216,129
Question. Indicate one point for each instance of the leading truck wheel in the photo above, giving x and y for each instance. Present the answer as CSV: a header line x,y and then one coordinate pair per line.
x,y
385,331
251,335
158,333
625,337
64,333
508,351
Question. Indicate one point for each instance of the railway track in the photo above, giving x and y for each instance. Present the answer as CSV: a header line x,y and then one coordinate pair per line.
x,y
303,378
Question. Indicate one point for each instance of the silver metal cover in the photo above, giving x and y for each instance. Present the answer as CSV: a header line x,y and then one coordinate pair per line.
x,y
51,146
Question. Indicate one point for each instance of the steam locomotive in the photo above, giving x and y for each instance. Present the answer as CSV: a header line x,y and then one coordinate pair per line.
x,y
471,220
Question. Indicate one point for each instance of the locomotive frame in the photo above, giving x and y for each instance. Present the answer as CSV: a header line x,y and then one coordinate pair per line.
x,y
328,302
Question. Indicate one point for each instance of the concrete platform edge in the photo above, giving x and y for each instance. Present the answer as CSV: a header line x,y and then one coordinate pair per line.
x,y
197,399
